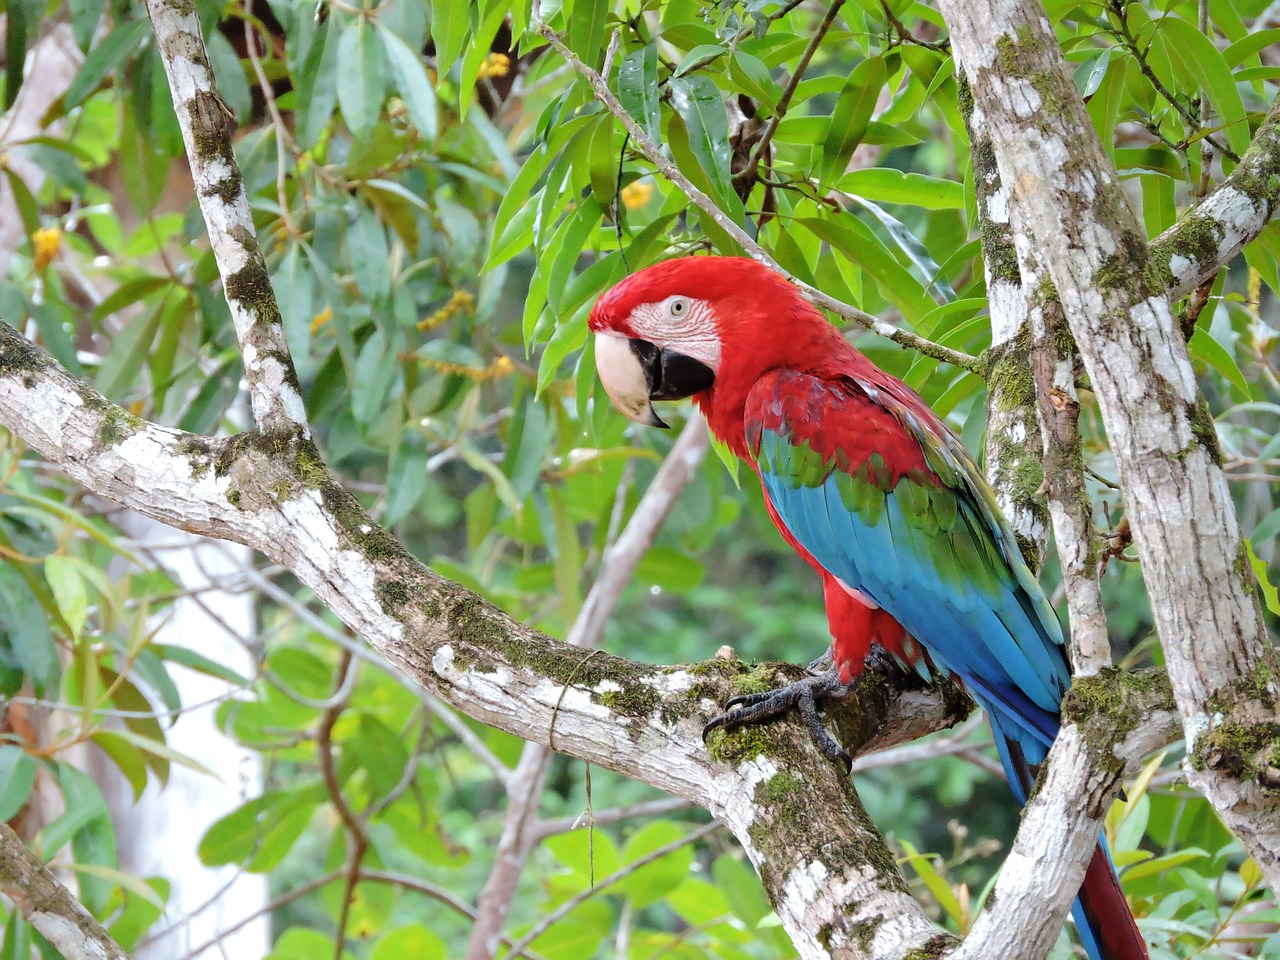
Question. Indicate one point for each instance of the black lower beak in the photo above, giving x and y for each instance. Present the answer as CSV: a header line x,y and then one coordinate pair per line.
x,y
671,375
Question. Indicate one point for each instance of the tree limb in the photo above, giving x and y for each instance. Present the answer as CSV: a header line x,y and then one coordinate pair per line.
x,y
274,392
1176,495
1195,248
49,906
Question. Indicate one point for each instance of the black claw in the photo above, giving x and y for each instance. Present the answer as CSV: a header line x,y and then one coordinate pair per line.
x,y
803,696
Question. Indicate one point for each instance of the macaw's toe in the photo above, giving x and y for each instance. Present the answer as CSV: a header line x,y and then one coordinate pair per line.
x,y
802,696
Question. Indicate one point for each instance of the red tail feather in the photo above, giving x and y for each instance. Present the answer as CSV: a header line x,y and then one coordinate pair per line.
x,y
1108,913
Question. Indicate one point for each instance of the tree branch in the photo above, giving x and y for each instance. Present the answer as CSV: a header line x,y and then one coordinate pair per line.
x,y
206,130
1183,520
1195,248
49,906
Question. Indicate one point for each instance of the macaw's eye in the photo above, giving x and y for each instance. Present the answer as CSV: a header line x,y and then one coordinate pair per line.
x,y
679,306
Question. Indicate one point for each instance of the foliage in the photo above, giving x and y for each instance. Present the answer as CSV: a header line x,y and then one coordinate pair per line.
x,y
437,227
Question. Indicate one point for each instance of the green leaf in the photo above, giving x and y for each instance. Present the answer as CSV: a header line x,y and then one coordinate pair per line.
x,y
698,103
127,758
411,80
317,87
750,75
409,943
370,255
1249,46
700,56
64,579
17,777
374,378
887,185
587,852
406,482
1270,596
854,240
260,832
922,864
669,569
1205,67
603,162
363,83
853,113
381,752
585,36
124,40
450,22
25,639
655,880
638,89
1202,346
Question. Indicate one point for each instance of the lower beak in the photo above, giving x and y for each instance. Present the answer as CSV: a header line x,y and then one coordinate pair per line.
x,y
636,372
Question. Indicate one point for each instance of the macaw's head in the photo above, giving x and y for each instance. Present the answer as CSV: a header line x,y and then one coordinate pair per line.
x,y
701,327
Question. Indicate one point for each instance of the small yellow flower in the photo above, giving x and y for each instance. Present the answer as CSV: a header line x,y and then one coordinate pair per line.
x,y
46,242
461,302
501,367
636,194
320,319
495,65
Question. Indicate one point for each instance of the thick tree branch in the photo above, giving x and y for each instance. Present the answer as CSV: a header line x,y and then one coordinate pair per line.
x,y
49,906
1012,461
795,813
206,130
1164,443
1195,248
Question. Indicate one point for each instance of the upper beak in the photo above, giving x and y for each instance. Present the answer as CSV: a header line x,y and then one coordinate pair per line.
x,y
635,372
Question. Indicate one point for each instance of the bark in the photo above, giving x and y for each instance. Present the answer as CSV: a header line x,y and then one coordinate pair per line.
x,y
824,867
1195,248
1183,521
274,392
49,906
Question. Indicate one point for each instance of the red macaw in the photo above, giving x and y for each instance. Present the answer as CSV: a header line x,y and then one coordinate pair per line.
x,y
869,486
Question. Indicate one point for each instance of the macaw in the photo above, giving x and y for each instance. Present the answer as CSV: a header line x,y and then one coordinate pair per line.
x,y
873,490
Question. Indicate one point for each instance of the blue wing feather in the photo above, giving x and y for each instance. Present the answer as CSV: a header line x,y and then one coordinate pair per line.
x,y
990,627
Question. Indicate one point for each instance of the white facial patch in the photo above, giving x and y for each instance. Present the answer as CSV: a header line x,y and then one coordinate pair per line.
x,y
681,323
622,376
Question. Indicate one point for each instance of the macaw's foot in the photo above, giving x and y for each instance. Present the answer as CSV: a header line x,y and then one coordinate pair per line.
x,y
803,696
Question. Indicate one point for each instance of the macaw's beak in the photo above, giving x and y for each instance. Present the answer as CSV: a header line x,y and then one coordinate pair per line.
x,y
635,372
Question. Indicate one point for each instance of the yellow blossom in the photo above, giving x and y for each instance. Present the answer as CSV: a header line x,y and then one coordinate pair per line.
x,y
501,367
460,302
46,242
636,194
320,319
495,65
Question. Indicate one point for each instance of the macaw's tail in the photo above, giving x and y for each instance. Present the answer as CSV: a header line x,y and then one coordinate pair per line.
x,y
1103,919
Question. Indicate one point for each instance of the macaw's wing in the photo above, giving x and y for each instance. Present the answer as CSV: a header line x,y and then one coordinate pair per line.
x,y
886,500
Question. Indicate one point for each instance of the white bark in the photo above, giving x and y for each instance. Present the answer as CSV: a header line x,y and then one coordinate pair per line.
x,y
1176,495
205,120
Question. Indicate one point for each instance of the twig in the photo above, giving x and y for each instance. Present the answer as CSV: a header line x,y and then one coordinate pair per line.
x,y
354,824
748,172
653,152
647,808
1126,37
